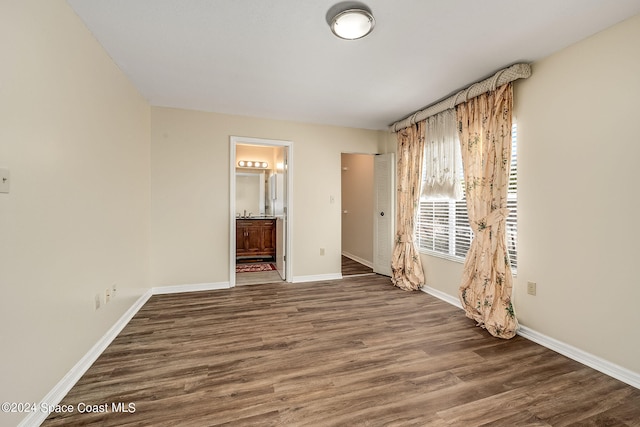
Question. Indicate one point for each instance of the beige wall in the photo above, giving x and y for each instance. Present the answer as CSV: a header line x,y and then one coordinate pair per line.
x,y
190,192
357,200
578,150
75,135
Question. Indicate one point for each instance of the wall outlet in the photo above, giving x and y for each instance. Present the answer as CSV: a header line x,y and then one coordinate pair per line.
x,y
321,251
107,295
97,301
531,288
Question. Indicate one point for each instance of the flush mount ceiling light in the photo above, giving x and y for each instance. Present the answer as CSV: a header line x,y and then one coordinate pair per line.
x,y
350,20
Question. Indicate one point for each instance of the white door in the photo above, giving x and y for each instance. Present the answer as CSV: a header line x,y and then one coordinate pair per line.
x,y
384,214
280,242
280,209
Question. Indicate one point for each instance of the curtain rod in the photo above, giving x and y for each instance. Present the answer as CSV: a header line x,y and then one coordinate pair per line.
x,y
504,76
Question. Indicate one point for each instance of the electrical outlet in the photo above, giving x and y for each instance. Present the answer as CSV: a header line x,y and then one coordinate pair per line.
x,y
97,301
107,295
321,251
531,288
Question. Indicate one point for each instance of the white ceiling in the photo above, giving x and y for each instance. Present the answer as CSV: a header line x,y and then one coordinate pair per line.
x,y
278,58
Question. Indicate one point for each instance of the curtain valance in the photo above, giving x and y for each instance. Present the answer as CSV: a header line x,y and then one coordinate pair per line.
x,y
504,76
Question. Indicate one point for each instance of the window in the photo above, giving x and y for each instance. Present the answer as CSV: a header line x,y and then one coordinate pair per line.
x,y
443,226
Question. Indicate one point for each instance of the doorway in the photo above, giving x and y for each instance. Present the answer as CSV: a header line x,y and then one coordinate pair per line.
x,y
357,207
260,183
368,214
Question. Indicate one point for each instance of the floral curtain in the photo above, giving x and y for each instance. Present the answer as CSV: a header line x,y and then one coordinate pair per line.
x,y
443,164
484,124
406,266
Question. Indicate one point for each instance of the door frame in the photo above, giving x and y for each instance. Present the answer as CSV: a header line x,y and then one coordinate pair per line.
x,y
288,146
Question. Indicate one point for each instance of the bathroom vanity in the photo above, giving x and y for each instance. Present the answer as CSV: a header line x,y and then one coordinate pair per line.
x,y
255,238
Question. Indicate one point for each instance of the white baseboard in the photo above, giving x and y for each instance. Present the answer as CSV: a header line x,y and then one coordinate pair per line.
x,y
161,290
611,369
608,368
441,295
358,259
61,389
317,278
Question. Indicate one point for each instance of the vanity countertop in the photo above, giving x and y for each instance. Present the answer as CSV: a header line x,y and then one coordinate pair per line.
x,y
255,217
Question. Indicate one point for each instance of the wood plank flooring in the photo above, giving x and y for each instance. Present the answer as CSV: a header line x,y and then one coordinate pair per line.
x,y
351,352
349,268
257,277
353,268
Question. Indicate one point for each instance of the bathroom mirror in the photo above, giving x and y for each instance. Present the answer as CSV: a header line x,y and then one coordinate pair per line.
x,y
250,193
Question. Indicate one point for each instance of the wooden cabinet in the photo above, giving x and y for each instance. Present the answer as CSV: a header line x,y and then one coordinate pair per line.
x,y
255,238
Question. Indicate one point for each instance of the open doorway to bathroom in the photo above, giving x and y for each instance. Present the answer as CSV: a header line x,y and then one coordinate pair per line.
x,y
260,200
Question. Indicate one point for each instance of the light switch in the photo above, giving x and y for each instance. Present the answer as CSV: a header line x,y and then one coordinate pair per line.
x,y
531,288
4,180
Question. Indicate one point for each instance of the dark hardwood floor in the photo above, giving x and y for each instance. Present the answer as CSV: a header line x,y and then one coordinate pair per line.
x,y
354,268
353,352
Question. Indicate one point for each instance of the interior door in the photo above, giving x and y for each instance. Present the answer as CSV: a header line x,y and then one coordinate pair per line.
x,y
384,214
279,194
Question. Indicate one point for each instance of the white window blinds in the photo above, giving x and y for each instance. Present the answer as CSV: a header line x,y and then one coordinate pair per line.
x,y
443,229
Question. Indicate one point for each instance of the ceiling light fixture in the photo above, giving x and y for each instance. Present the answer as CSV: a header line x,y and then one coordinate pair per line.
x,y
252,164
350,20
